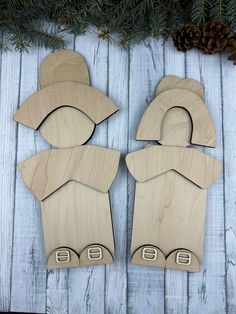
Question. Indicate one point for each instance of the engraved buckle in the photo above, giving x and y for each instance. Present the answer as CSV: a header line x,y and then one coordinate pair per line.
x,y
149,254
95,253
63,256
183,258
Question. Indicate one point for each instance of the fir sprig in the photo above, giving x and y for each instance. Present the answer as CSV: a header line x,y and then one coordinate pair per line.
x,y
128,21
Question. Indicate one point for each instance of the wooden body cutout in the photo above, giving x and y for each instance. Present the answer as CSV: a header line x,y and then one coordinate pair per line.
x,y
172,182
71,183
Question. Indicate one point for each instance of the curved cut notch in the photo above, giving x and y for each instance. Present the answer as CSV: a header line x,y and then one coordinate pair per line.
x,y
63,257
95,254
149,255
183,259
87,99
203,131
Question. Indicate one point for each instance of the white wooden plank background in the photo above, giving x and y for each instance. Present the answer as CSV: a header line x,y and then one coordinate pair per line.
x,y
130,79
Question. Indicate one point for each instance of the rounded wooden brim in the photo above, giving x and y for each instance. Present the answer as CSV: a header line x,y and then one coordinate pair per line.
x,y
203,130
64,66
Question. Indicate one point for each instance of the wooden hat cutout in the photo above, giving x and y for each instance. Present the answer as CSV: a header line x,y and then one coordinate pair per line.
x,y
65,110
172,180
176,128
64,66
90,101
67,127
172,82
203,131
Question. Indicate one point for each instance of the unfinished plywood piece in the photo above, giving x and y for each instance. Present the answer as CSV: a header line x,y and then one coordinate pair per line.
x,y
173,81
91,165
176,128
170,199
172,180
203,131
194,165
87,99
72,185
66,126
173,129
63,66
81,221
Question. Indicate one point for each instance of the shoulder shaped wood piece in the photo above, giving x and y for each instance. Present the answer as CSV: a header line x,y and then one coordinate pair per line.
x,y
63,66
184,260
172,81
95,254
149,255
63,257
87,99
203,131
91,165
152,161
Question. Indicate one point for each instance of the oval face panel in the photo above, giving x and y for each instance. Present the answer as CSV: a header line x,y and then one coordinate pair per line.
x,y
67,127
176,128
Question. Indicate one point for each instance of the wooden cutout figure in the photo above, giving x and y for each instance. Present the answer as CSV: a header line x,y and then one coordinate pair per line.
x,y
172,179
71,182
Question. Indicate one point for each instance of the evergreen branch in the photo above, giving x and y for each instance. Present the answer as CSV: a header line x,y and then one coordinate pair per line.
x,y
129,20
199,11
158,21
230,14
217,9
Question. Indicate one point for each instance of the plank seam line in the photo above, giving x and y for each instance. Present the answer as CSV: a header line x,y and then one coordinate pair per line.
x,y
224,190
127,185
14,183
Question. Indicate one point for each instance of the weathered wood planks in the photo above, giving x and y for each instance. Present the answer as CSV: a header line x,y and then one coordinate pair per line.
x,y
145,285
131,83
176,289
89,282
229,145
9,97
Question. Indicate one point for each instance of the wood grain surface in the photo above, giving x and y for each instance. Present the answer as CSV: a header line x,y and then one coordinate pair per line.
x,y
91,165
67,126
203,131
130,79
87,99
63,66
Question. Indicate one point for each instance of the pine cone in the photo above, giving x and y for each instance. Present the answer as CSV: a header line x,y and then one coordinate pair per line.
x,y
214,37
186,37
231,48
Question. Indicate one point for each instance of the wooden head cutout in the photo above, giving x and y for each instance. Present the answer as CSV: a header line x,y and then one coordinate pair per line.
x,y
202,133
66,109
